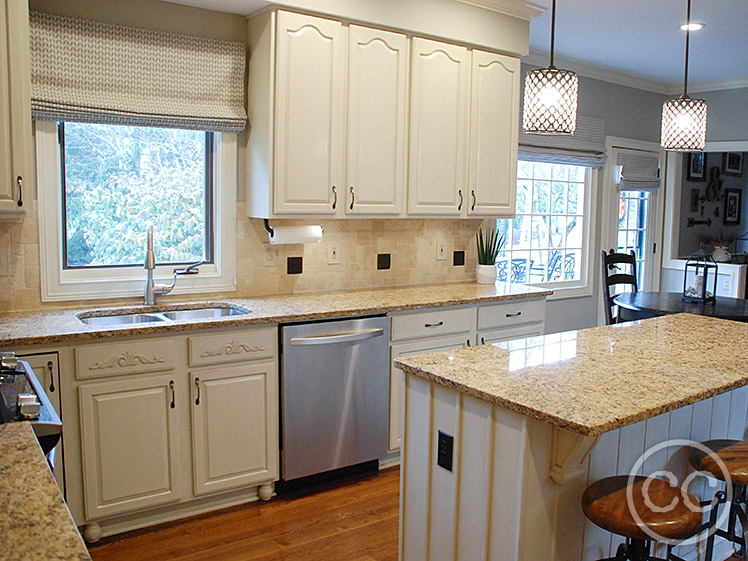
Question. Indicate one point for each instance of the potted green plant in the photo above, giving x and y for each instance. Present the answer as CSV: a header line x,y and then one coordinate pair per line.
x,y
489,244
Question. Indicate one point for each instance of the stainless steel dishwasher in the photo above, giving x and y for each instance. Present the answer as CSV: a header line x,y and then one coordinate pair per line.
x,y
334,394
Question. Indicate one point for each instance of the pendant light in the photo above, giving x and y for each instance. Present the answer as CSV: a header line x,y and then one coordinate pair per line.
x,y
550,103
683,118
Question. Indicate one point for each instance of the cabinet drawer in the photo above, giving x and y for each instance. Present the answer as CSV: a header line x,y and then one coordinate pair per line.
x,y
233,347
432,323
133,357
512,313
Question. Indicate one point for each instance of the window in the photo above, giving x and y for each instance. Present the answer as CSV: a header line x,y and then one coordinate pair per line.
x,y
117,180
547,242
633,208
101,186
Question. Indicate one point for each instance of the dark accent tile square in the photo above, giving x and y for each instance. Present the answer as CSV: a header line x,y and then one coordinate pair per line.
x,y
383,261
458,258
294,265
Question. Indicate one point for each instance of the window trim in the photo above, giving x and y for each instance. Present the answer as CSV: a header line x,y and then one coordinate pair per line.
x,y
58,284
585,287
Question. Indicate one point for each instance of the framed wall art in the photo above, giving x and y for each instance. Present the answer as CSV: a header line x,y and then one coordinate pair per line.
x,y
733,203
696,166
732,163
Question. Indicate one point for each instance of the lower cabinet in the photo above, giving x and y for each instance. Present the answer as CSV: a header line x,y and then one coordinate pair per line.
x,y
231,446
130,444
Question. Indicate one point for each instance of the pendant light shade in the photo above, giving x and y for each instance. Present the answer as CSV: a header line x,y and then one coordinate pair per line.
x,y
550,101
683,118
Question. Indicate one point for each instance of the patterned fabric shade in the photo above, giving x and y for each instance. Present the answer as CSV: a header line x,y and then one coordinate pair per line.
x,y
639,171
550,104
98,72
684,124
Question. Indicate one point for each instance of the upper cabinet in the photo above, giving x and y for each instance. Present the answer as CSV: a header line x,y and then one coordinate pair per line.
x,y
15,109
353,121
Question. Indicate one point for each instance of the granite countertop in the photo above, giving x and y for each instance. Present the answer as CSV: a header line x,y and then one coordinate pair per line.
x,y
34,521
36,328
599,379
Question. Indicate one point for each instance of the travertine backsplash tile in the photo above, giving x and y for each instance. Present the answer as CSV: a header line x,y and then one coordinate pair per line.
x,y
410,242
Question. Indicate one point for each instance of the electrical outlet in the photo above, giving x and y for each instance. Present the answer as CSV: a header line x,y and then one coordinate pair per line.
x,y
270,255
725,283
333,254
441,250
445,449
4,260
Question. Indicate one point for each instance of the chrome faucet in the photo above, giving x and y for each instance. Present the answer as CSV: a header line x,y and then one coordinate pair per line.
x,y
151,288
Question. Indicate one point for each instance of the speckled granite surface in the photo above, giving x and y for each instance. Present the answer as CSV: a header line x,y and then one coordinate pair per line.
x,y
17,329
596,380
34,521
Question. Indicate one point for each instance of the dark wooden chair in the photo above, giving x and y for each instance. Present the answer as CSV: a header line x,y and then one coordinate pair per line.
x,y
641,509
618,269
728,461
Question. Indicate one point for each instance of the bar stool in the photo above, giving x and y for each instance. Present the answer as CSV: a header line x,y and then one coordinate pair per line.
x,y
733,457
605,503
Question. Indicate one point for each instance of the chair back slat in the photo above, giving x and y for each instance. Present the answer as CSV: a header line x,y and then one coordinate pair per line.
x,y
614,273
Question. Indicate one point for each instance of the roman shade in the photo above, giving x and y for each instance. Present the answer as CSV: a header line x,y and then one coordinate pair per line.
x,y
586,147
90,71
640,171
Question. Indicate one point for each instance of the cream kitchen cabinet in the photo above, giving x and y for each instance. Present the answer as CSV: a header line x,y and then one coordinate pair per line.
x,y
454,172
328,104
16,157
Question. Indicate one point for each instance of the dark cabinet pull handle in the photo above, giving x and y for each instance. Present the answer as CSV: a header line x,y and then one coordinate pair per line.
x,y
353,197
472,192
433,324
468,343
51,376
459,206
482,340
171,385
514,315
19,182
335,200
197,385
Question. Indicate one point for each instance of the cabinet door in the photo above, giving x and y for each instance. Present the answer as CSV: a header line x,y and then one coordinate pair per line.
x,y
309,115
46,367
234,432
129,444
15,109
438,128
494,122
396,375
377,109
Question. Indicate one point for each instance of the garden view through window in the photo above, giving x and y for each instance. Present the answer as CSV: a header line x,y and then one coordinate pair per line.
x,y
544,242
118,180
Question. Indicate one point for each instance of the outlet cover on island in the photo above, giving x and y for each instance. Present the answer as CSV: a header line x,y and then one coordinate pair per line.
x,y
333,254
441,250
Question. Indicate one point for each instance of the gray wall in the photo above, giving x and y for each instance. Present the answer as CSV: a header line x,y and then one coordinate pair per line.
x,y
629,113
727,118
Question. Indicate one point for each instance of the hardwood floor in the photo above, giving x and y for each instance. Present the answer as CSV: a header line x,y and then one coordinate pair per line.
x,y
353,519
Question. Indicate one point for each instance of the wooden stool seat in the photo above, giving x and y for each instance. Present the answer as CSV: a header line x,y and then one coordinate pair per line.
x,y
732,453
605,503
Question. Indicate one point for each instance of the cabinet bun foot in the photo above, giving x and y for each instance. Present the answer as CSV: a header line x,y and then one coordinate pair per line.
x,y
92,533
265,492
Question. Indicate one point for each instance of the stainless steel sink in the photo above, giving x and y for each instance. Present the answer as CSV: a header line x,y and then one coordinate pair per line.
x,y
203,313
167,316
122,319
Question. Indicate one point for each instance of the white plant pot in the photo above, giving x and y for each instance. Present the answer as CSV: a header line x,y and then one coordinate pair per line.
x,y
721,255
485,274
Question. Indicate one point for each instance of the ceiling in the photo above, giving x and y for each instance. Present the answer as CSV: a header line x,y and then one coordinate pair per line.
x,y
635,42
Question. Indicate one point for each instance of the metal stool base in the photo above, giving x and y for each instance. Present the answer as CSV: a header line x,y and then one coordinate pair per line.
x,y
639,550
738,507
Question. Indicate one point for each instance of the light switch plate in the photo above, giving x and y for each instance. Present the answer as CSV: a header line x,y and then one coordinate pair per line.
x,y
441,250
333,254
4,261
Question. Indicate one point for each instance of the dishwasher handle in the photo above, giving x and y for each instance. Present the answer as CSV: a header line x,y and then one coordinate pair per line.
x,y
342,338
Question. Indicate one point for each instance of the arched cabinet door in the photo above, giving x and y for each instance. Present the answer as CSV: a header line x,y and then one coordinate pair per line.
x,y
377,113
494,122
309,115
438,128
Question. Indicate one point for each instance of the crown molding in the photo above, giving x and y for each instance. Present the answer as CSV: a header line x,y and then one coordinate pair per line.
x,y
514,8
716,86
600,73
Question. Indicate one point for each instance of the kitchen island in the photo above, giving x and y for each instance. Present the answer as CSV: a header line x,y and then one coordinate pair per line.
x,y
535,420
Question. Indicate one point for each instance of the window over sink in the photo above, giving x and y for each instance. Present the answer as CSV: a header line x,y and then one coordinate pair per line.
x,y
548,241
102,185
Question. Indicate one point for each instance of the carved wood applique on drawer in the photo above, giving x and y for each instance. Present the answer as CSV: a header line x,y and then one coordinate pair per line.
x,y
93,361
232,347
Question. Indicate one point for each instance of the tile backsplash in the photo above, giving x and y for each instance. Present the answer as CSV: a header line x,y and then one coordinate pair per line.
x,y
411,244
